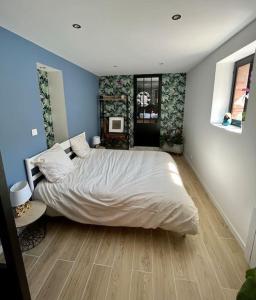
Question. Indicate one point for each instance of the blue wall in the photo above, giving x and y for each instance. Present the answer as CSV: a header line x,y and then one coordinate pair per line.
x,y
21,109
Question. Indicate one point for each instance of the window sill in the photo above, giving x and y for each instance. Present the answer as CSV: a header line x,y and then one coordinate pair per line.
x,y
230,128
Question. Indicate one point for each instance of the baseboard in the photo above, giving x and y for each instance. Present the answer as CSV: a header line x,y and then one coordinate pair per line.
x,y
217,205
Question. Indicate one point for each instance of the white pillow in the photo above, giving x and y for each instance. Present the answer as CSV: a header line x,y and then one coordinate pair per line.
x,y
80,146
54,163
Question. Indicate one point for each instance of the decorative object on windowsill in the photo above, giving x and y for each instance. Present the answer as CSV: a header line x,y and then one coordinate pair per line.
x,y
20,194
248,289
173,142
227,119
116,124
96,141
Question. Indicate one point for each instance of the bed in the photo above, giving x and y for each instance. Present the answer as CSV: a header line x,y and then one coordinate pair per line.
x,y
119,188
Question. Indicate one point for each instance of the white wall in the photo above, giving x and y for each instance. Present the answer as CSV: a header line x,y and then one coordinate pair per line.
x,y
224,161
222,89
58,106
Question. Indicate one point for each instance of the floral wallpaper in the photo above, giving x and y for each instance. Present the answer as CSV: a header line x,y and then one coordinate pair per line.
x,y
46,105
172,104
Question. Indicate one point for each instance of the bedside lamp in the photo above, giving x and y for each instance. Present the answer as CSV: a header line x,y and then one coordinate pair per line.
x,y
20,193
96,141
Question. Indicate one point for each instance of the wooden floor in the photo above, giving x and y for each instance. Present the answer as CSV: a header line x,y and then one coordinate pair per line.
x,y
77,261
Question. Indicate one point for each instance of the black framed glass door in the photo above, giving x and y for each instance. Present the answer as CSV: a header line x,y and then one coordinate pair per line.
x,y
13,278
147,110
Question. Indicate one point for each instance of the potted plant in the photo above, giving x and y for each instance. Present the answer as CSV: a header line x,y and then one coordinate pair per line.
x,y
248,289
173,142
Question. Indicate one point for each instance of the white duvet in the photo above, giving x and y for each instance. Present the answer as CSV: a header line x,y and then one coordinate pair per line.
x,y
123,188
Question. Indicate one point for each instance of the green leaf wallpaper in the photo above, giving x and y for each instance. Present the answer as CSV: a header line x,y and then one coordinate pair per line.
x,y
46,106
118,85
172,105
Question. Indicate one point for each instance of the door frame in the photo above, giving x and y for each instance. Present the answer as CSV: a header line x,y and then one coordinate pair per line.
x,y
135,100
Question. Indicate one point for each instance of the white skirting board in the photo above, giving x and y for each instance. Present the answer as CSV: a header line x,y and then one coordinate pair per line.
x,y
216,204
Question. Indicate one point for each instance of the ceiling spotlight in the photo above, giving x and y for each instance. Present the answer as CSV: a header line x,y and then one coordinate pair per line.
x,y
161,63
115,66
76,26
176,17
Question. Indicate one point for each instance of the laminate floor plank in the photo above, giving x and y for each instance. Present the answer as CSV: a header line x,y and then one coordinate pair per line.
x,y
29,262
74,244
182,262
221,259
55,281
237,256
46,261
120,280
96,288
143,250
163,279
187,290
79,275
214,216
141,288
208,283
108,247
230,294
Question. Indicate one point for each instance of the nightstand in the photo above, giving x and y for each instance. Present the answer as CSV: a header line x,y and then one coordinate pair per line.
x,y
31,226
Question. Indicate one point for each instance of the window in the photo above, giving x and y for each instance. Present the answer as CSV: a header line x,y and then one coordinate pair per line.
x,y
240,90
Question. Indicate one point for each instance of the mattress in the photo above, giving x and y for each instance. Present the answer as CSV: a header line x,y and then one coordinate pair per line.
x,y
123,188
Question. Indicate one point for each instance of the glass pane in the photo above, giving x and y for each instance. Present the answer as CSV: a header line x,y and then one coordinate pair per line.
x,y
147,99
240,92
155,91
140,98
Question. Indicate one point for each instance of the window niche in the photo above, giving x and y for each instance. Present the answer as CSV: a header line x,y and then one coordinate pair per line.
x,y
52,97
241,89
224,84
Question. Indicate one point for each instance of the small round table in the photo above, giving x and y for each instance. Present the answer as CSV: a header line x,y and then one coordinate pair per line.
x,y
34,232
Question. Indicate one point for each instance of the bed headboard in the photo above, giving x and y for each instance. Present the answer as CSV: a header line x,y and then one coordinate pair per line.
x,y
33,172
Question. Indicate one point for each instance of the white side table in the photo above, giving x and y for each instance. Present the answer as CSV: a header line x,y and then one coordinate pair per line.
x,y
33,231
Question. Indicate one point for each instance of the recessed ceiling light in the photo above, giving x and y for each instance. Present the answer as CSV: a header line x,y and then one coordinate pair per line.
x,y
176,17
115,66
161,63
76,26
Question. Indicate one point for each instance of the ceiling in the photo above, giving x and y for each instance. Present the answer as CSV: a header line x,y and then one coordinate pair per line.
x,y
135,35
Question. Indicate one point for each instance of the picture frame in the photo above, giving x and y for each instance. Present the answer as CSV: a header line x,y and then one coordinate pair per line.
x,y
116,124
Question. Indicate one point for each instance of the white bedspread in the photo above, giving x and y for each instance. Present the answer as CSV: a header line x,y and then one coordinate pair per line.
x,y
123,188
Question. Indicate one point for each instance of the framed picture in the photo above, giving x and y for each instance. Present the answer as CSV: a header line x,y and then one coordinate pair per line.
x,y
116,124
